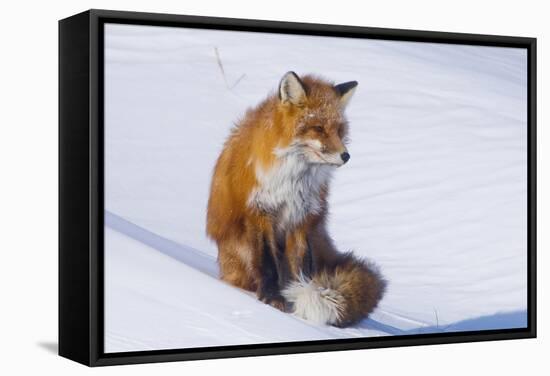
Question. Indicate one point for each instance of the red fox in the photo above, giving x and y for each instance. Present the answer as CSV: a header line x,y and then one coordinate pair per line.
x,y
267,209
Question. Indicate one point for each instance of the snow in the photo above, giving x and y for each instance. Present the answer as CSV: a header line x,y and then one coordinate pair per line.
x,y
434,193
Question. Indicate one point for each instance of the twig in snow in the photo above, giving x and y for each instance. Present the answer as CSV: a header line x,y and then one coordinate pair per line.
x,y
238,80
220,65
219,60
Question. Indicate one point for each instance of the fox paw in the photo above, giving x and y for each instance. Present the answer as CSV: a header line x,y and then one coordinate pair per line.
x,y
276,301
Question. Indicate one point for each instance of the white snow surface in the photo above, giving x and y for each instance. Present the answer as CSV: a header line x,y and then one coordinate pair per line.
x,y
434,193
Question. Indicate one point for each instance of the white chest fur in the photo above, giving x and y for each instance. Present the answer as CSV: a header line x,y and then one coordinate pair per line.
x,y
291,188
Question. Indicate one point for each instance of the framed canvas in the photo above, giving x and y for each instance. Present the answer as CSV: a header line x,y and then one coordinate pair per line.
x,y
234,187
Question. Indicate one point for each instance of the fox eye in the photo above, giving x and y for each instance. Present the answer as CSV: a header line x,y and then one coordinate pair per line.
x,y
318,129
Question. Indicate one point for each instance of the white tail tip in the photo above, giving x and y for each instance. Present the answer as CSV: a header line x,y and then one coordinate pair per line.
x,y
313,302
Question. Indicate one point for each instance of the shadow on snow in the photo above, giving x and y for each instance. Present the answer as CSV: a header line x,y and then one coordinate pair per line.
x,y
207,264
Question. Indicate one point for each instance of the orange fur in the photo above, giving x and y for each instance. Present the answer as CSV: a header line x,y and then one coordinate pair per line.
x,y
258,251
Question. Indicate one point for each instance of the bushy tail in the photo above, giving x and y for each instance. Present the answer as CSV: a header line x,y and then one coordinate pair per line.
x,y
340,294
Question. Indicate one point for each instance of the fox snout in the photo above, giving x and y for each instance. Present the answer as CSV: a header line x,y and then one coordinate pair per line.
x,y
342,158
345,156
338,159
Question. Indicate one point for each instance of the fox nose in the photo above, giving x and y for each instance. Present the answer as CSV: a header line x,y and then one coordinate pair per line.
x,y
345,156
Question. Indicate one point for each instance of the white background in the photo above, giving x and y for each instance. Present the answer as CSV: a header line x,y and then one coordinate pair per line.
x,y
29,189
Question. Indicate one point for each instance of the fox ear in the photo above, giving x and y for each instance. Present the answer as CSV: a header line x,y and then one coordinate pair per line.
x,y
346,91
291,89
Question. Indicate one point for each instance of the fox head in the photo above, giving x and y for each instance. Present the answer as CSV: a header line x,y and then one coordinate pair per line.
x,y
313,109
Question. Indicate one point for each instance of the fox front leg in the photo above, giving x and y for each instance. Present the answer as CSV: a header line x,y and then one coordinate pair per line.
x,y
269,286
307,265
299,255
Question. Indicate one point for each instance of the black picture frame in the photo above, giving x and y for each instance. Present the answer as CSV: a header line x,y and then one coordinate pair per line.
x,y
81,186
